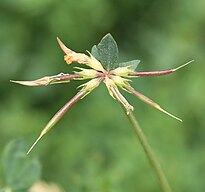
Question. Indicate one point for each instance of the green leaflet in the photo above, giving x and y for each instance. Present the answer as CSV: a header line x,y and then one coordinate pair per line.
x,y
20,171
131,64
106,52
94,52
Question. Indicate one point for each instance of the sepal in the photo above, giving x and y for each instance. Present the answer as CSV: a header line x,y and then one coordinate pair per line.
x,y
86,73
121,82
115,93
90,85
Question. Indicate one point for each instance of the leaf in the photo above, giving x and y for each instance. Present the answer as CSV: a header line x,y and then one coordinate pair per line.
x,y
106,52
131,64
94,52
20,171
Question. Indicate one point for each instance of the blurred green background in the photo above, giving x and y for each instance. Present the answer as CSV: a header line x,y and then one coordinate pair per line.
x,y
94,148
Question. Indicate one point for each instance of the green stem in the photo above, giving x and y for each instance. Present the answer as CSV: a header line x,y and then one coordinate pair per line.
x,y
149,152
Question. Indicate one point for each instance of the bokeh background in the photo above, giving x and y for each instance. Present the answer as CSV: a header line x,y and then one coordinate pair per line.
x,y
94,148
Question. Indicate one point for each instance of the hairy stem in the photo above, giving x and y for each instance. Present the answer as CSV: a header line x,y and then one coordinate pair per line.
x,y
149,153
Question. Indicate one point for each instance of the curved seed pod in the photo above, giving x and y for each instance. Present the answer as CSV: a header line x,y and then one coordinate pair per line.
x,y
48,80
58,116
149,101
161,72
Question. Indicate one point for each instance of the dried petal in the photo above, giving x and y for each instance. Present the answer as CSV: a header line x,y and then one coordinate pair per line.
x,y
72,56
38,82
47,80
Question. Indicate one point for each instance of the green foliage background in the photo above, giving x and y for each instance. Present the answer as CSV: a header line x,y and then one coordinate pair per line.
x,y
93,148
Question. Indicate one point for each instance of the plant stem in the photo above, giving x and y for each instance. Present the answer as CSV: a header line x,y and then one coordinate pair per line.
x,y
149,153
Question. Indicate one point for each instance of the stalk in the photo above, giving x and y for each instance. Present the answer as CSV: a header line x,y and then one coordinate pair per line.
x,y
149,153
